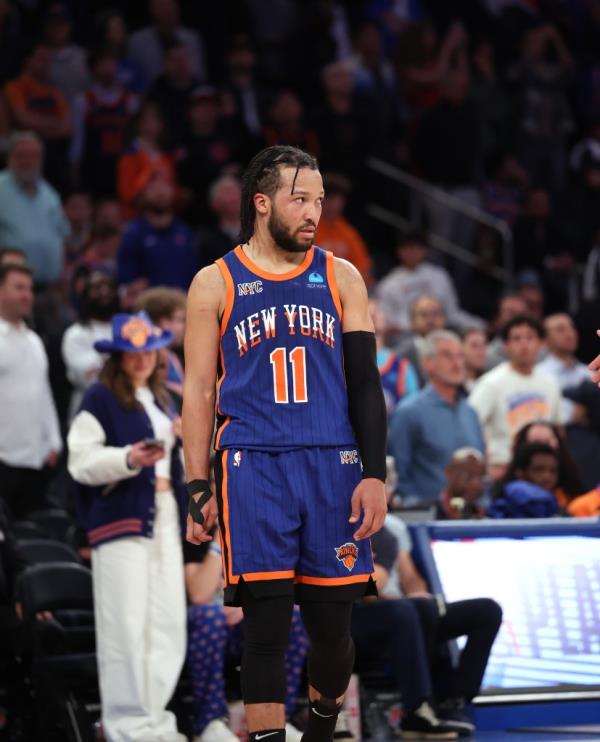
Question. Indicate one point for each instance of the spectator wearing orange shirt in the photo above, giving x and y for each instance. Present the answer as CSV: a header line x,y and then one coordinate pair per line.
x,y
34,103
144,161
335,232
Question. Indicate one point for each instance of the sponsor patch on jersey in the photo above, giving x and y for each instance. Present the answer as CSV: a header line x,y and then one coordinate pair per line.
x,y
250,288
349,457
347,554
316,281
237,458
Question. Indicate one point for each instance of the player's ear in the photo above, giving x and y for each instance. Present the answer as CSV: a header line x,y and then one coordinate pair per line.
x,y
261,203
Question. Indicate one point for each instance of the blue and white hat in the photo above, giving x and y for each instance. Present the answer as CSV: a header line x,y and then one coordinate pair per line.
x,y
134,332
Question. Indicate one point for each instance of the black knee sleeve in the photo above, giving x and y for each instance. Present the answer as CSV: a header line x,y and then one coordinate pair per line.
x,y
331,653
266,635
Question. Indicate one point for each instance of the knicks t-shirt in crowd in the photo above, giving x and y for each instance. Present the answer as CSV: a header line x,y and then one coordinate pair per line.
x,y
506,400
36,97
135,169
164,257
398,378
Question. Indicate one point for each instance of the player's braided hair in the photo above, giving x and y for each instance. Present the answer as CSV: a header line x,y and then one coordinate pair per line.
x,y
263,176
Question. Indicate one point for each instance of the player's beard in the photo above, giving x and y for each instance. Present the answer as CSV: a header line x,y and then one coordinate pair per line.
x,y
283,237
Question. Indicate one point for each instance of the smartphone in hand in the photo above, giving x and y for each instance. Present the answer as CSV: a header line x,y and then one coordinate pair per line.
x,y
153,443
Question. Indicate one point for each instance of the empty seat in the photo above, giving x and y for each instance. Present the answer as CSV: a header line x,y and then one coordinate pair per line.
x,y
64,673
39,551
54,522
52,587
25,529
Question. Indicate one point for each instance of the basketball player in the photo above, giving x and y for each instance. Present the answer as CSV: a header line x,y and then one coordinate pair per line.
x,y
301,428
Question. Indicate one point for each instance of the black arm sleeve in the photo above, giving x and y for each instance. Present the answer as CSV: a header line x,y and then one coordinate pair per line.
x,y
366,404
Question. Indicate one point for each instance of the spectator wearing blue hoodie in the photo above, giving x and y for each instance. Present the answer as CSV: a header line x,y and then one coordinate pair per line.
x,y
527,490
158,249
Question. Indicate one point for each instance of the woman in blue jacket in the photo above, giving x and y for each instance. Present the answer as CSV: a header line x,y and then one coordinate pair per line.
x,y
124,456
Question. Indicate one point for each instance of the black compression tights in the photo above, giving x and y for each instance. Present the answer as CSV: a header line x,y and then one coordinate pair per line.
x,y
266,634
331,653
266,630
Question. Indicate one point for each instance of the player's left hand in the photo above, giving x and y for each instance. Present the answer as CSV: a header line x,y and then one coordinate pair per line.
x,y
369,496
595,366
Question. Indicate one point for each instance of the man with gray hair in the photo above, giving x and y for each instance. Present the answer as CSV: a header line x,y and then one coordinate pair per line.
x,y
428,427
224,197
31,214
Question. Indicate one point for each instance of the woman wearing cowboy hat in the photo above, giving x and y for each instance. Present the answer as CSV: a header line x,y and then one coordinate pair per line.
x,y
124,456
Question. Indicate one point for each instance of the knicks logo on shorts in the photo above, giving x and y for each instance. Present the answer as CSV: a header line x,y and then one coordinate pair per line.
x,y
349,457
347,554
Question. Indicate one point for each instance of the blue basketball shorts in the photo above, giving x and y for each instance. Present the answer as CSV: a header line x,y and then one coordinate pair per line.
x,y
284,524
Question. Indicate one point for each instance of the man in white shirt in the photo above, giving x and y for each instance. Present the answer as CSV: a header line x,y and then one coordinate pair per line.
x,y
510,304
515,392
99,302
30,438
414,277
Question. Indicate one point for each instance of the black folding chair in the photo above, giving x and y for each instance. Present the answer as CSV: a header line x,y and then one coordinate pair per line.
x,y
41,550
26,529
64,673
54,522
76,538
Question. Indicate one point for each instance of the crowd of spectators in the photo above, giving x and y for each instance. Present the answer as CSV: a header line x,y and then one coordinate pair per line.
x,y
496,104
123,135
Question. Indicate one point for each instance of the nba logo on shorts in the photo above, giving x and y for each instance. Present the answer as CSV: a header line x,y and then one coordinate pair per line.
x,y
347,554
237,458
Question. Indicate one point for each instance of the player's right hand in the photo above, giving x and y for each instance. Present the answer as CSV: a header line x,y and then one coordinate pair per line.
x,y
370,500
197,533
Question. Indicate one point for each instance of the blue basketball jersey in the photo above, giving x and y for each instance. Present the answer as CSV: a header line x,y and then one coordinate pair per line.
x,y
281,373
